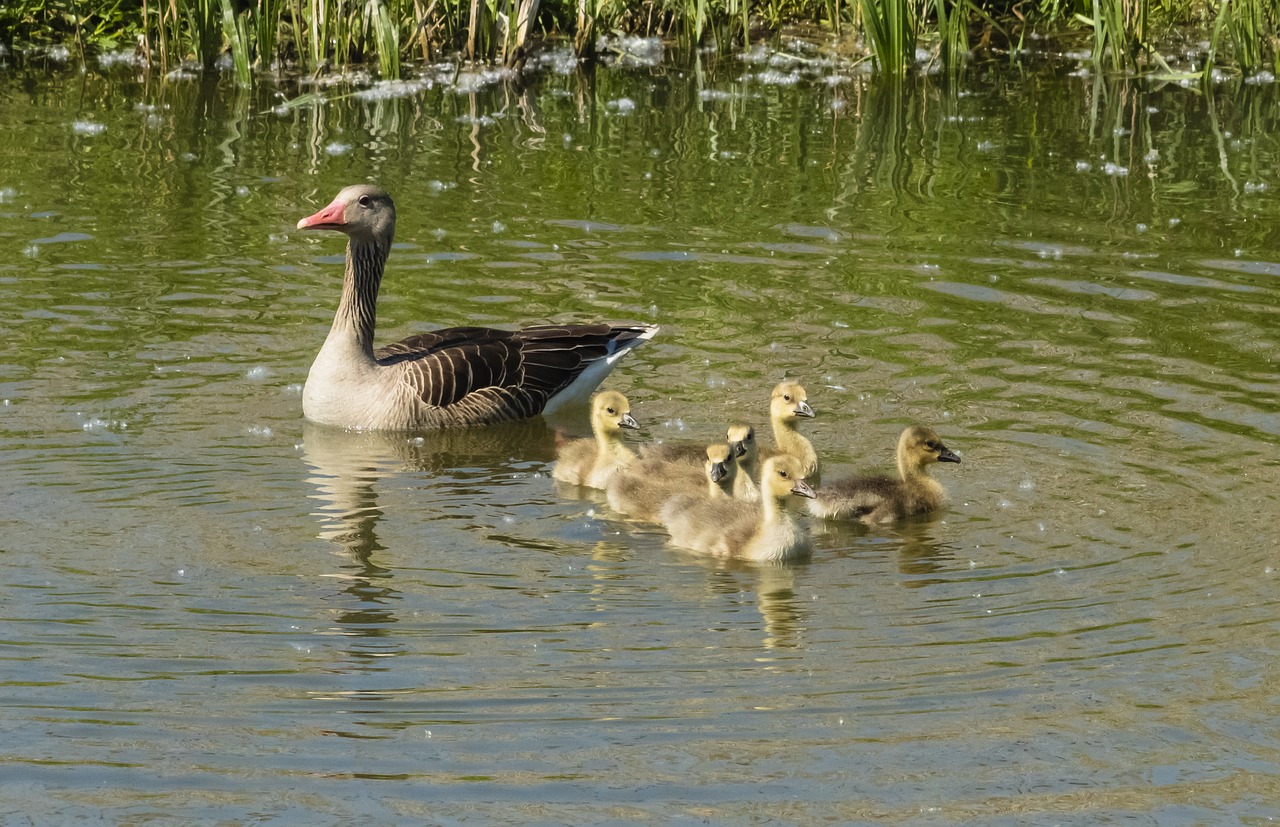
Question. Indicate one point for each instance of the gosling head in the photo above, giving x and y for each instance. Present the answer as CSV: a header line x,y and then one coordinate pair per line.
x,y
781,476
363,211
742,441
920,446
788,402
720,465
611,412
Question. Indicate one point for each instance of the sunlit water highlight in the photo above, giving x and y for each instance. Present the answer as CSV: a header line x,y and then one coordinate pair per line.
x,y
214,612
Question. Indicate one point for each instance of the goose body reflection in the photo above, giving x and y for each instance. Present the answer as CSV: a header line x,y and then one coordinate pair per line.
x,y
453,377
760,532
881,499
593,462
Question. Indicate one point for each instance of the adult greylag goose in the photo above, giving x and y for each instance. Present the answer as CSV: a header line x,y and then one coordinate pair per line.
x,y
447,378
761,532
787,404
742,440
880,499
593,462
641,489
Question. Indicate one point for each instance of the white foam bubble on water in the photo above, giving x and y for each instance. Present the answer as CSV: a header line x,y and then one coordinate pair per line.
x,y
623,106
259,431
88,128
337,148
258,373
124,57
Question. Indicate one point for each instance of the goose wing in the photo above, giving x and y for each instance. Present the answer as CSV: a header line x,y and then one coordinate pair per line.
x,y
480,374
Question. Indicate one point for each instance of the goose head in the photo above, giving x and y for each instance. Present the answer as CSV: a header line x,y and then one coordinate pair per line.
x,y
788,402
720,465
610,413
363,211
742,440
920,446
781,476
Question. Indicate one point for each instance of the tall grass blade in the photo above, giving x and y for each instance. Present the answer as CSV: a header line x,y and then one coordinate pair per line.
x,y
888,24
234,30
386,35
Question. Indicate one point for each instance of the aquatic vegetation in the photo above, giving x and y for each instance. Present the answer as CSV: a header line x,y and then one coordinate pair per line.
x,y
245,37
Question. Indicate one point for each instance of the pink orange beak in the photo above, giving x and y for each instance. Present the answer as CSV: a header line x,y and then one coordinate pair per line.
x,y
332,217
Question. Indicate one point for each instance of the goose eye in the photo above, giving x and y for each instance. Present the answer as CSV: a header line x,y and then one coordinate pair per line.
x,y
749,437
786,397
783,474
610,410
931,445
365,201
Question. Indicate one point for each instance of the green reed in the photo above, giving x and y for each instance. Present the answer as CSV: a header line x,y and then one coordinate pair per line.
x,y
324,35
889,25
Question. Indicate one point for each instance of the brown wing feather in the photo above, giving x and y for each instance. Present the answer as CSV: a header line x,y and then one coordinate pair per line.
x,y
485,375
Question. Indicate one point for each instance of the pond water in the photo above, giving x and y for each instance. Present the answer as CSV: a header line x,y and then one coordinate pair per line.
x,y
214,612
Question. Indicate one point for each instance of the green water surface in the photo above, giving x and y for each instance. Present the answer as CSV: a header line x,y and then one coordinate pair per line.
x,y
214,613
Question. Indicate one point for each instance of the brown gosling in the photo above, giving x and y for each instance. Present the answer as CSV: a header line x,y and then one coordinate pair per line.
x,y
785,407
592,462
760,532
880,499
742,439
641,489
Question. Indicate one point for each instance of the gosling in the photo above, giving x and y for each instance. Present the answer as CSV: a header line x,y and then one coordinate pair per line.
x,y
742,439
593,462
641,489
880,499
787,404
759,532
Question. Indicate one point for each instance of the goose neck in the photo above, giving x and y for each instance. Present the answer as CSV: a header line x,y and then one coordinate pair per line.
x,y
357,309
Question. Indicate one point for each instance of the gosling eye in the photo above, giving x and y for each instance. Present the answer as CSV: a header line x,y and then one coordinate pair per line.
x,y
931,445
784,475
749,437
365,201
610,410
786,397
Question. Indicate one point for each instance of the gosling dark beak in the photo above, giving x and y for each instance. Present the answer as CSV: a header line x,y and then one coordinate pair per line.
x,y
628,422
802,489
718,471
739,449
945,454
803,409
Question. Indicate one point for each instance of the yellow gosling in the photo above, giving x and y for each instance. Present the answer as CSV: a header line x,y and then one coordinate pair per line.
x,y
742,439
592,462
759,532
641,489
881,499
786,406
